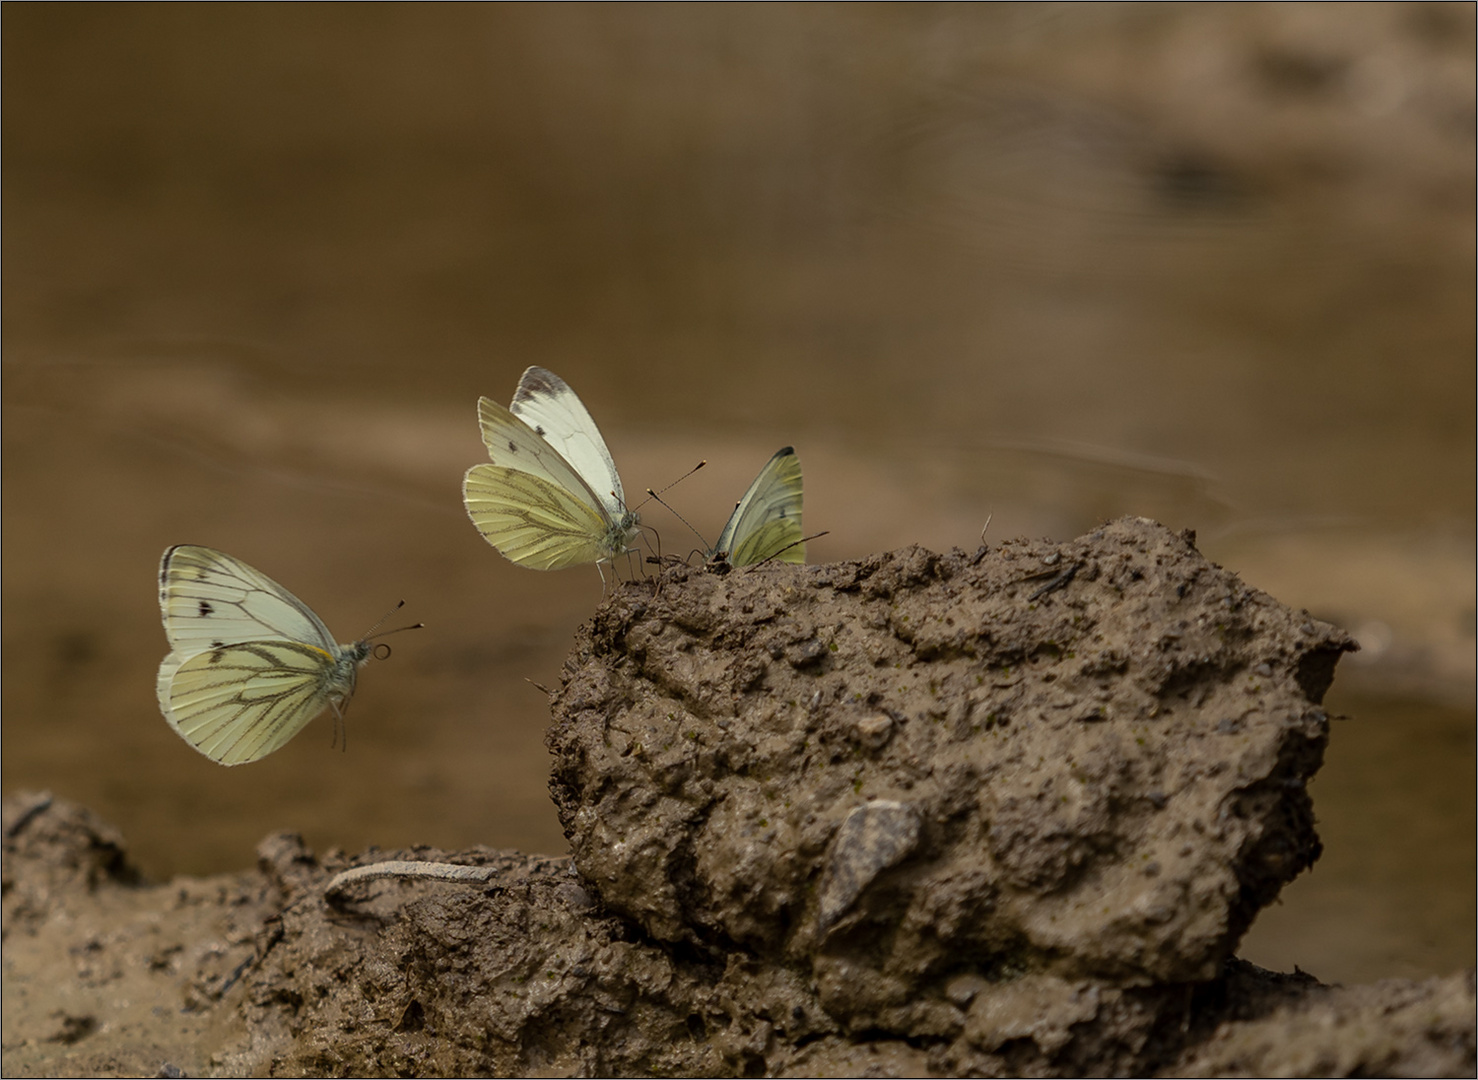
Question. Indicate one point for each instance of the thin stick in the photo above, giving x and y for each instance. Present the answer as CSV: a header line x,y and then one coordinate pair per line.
x,y
436,871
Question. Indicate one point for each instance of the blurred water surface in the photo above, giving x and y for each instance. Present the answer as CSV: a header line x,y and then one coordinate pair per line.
x,y
1039,264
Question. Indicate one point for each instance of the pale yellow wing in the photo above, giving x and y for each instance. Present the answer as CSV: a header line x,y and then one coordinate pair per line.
x,y
240,702
537,522
766,523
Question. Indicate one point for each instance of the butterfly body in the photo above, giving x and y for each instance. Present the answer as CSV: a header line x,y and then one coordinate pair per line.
x,y
250,664
550,497
766,522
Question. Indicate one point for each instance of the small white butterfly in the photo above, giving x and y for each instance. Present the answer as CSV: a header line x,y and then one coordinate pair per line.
x,y
551,497
766,522
251,664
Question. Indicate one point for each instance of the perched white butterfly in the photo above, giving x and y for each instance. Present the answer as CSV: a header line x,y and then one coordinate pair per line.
x,y
250,663
766,523
551,497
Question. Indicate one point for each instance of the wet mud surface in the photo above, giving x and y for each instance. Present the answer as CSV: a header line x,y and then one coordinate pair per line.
x,y
1006,812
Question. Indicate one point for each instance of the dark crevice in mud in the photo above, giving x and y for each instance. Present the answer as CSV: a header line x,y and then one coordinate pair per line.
x,y
889,817
1315,669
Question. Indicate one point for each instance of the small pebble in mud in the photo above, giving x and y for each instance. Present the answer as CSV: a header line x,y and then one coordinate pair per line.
x,y
961,990
873,731
575,898
872,838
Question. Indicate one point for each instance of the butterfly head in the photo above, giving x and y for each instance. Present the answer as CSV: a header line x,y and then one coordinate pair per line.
x,y
622,535
337,679
356,655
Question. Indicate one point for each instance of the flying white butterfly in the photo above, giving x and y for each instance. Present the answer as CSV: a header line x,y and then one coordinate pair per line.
x,y
551,497
766,522
250,664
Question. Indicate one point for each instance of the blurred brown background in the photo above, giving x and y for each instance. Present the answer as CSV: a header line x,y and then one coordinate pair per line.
x,y
1044,264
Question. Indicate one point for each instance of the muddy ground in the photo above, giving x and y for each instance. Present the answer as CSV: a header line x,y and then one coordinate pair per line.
x,y
994,813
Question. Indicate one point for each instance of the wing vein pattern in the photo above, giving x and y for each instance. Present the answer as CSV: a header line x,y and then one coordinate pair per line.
x,y
766,522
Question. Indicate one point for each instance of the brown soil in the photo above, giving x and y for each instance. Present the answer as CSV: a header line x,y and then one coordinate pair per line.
x,y
998,813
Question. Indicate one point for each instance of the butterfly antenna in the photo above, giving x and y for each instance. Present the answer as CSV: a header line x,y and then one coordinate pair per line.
x,y
382,650
655,494
787,547
381,620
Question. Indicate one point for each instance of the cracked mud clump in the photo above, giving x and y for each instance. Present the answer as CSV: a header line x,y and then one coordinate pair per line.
x,y
933,782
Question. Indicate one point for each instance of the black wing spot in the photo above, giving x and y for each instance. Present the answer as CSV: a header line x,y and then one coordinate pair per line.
x,y
220,651
512,446
539,431
206,609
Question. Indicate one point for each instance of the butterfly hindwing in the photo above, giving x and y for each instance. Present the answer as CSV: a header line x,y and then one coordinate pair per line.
x,y
766,523
240,702
532,521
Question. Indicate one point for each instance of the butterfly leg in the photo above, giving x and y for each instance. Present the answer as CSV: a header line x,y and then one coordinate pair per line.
x,y
341,729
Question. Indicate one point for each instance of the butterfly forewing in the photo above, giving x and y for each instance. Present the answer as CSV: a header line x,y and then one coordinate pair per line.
x,y
513,444
206,596
546,403
767,521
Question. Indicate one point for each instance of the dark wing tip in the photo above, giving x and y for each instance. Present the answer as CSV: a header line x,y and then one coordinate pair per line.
x,y
168,556
538,381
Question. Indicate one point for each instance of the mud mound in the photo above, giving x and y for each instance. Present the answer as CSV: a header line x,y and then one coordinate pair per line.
x,y
920,775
